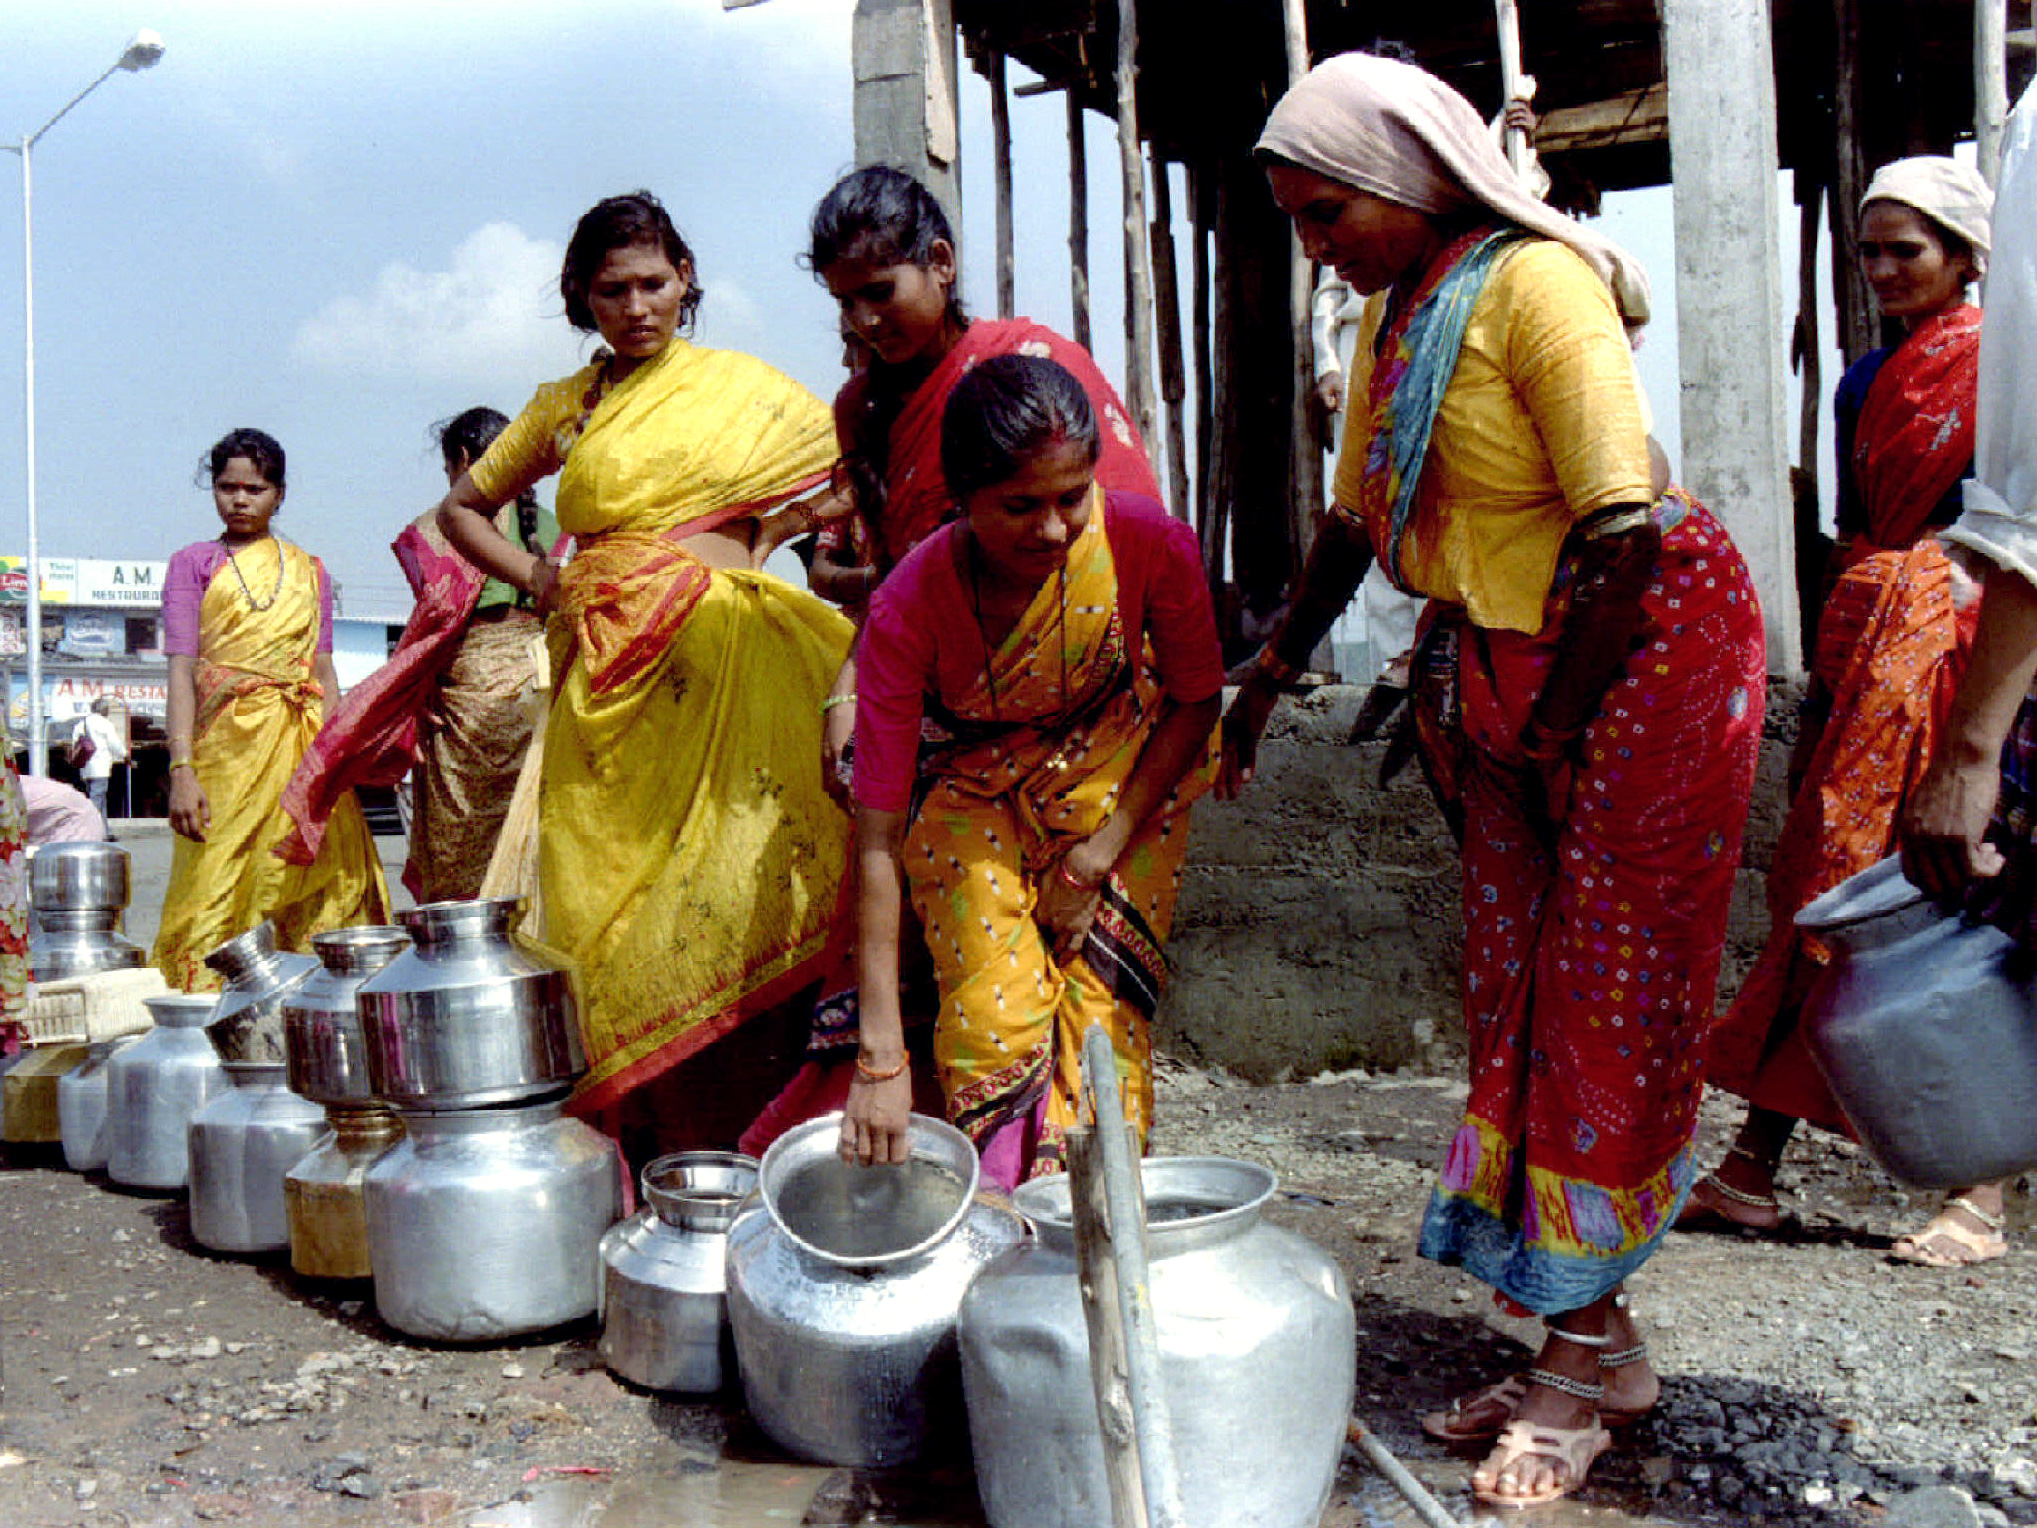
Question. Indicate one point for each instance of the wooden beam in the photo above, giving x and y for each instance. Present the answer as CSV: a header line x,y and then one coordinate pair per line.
x,y
1138,259
903,56
1307,503
1078,220
1637,116
1200,217
1990,83
1000,137
1167,306
1857,332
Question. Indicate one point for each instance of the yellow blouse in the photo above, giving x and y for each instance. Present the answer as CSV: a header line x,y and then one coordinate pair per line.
x,y
1542,424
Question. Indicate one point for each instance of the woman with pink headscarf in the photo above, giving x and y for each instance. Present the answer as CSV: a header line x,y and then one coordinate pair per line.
x,y
1588,689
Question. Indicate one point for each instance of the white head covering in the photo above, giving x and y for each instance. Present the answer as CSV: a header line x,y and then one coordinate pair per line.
x,y
1397,131
1945,191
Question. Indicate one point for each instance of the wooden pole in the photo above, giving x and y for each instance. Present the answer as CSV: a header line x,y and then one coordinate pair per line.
x,y
1167,303
1199,217
1123,1242
1856,305
1308,455
1990,83
1138,266
1078,218
1109,1372
1000,136
1810,538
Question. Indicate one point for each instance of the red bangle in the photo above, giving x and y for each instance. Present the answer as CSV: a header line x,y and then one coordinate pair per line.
x,y
1076,881
870,1074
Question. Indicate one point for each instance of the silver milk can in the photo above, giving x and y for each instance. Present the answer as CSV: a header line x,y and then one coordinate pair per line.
x,y
154,1086
843,1284
81,1106
664,1311
257,976
1925,1025
486,1223
79,891
322,1037
242,1143
327,1193
464,1017
1257,1361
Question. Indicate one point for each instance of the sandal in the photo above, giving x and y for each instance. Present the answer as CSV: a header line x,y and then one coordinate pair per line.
x,y
1971,1246
1573,1448
1482,1415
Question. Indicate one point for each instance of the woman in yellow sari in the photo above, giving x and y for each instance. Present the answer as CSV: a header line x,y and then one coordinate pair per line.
x,y
1047,667
247,625
688,858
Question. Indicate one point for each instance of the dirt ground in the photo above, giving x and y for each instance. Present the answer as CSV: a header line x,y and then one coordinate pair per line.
x,y
1808,1381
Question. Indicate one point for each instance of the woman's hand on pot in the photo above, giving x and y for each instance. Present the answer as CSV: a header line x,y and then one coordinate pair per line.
x,y
1243,725
1944,828
875,1120
190,811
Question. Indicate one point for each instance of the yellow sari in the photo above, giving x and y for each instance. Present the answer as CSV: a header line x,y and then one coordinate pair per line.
x,y
1038,751
689,859
259,707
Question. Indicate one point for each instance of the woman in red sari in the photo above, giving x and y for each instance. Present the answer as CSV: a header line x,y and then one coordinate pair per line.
x,y
1892,641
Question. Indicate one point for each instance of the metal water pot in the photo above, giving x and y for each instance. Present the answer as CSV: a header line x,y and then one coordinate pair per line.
x,y
1257,1358
465,1018
79,891
486,1223
81,1106
242,1144
322,1037
843,1283
327,1193
1925,1026
258,976
664,1311
154,1086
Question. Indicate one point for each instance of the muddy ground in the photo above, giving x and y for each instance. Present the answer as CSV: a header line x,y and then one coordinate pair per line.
x,y
1808,1381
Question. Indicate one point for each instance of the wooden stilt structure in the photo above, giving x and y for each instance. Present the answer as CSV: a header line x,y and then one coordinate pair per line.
x,y
1990,83
1000,137
1138,261
1199,219
1078,219
1307,503
1167,312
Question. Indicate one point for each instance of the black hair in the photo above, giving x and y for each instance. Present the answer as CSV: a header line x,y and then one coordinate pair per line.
x,y
620,222
260,448
465,438
1005,410
883,216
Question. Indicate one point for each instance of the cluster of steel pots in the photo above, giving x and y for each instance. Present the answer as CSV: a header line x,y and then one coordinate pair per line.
x,y
393,1109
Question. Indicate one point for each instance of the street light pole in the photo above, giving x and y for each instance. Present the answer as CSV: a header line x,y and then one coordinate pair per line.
x,y
140,54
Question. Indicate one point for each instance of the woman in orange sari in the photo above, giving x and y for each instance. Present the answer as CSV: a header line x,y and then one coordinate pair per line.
x,y
247,624
1040,679
1892,642
688,860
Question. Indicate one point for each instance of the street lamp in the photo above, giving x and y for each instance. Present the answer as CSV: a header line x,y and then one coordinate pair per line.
x,y
146,48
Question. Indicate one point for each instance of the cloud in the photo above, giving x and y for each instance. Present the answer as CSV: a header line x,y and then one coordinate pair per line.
x,y
492,312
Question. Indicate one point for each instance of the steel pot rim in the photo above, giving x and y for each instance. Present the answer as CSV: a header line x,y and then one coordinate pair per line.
x,y
698,1190
1047,1202
928,1139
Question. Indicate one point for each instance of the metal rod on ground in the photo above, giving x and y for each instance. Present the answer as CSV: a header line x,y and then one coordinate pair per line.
x,y
1412,1491
1126,1249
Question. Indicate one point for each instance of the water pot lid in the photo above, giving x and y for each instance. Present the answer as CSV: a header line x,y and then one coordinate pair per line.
x,y
867,1217
1875,892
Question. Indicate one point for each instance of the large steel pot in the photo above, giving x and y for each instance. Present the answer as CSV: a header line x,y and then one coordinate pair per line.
x,y
1257,1360
242,1144
154,1086
327,1195
257,976
327,1055
465,1018
664,1307
486,1223
843,1283
79,891
81,1106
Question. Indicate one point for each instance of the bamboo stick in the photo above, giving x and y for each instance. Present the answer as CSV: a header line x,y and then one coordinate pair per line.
x,y
1078,219
1000,135
1108,1370
1412,1491
1138,269
1199,305
1125,1205
1167,304
1308,455
1990,83
1509,22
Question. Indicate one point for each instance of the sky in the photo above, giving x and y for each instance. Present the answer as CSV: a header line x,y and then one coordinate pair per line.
x,y
342,221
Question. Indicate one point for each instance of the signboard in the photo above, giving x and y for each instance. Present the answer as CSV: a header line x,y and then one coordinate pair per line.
x,y
93,634
85,581
68,699
11,622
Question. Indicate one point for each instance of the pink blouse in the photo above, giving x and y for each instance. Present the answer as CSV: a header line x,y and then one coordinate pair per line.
x,y
922,637
184,585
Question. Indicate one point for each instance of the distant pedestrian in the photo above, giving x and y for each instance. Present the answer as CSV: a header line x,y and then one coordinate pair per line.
x,y
109,747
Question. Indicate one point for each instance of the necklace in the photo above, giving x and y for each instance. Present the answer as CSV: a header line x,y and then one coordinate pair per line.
x,y
249,594
983,633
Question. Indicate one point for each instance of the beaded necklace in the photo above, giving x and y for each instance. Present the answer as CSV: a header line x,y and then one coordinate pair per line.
x,y
248,594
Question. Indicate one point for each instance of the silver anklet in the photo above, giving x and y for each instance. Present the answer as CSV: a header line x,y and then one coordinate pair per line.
x,y
1624,1357
1740,1195
1578,1338
1579,1389
1992,1222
